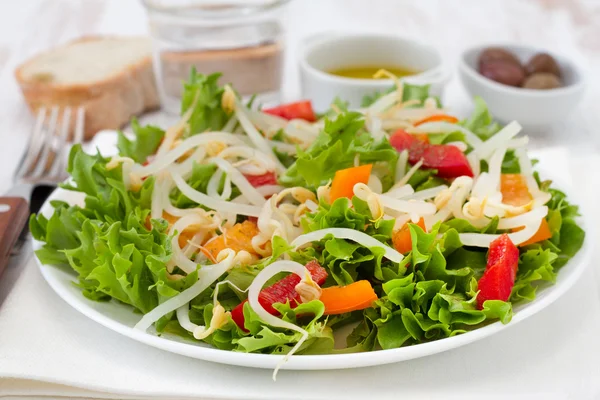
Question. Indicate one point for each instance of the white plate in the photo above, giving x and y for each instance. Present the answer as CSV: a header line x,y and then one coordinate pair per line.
x,y
121,318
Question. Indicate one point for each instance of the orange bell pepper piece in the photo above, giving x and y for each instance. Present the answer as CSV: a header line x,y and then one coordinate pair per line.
x,y
437,118
345,179
342,299
543,233
514,190
402,240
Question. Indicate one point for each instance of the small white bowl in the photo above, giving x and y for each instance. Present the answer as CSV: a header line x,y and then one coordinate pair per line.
x,y
531,108
328,51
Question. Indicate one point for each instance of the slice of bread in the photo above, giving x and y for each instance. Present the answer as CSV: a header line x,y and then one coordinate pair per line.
x,y
111,77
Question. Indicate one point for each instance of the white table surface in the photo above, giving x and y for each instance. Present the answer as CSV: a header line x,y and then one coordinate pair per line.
x,y
552,355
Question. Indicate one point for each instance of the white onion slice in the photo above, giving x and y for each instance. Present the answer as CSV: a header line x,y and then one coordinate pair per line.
x,y
215,204
157,205
254,291
440,216
311,205
401,220
186,167
483,186
484,239
408,206
206,277
266,121
179,258
375,184
351,234
228,127
163,161
409,174
474,163
383,103
301,131
527,172
400,191
269,190
425,194
528,218
517,143
375,127
462,146
259,141
175,131
447,127
401,165
240,181
284,147
495,169
183,317
248,153
486,149
413,114
212,189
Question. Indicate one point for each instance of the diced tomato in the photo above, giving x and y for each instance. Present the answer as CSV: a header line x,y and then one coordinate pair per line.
x,y
449,161
301,110
499,277
280,292
268,178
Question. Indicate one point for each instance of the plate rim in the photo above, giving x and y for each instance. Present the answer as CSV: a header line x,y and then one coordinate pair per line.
x,y
52,275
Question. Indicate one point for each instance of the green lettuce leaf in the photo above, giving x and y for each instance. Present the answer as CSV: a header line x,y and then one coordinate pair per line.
x,y
336,148
409,92
481,121
340,257
269,340
147,139
208,115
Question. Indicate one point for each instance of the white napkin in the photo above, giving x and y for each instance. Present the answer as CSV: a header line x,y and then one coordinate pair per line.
x,y
49,349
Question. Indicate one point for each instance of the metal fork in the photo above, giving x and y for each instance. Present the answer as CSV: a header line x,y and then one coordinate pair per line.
x,y
45,158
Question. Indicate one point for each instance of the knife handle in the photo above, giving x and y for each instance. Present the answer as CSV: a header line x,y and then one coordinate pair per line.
x,y
14,213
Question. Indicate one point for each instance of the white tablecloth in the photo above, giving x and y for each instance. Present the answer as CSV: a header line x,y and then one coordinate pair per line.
x,y
551,355
49,349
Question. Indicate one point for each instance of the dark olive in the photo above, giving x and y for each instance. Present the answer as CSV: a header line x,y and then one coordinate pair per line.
x,y
504,72
542,80
542,62
496,54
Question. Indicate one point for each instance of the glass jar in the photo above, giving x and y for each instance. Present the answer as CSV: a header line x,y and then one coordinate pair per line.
x,y
242,39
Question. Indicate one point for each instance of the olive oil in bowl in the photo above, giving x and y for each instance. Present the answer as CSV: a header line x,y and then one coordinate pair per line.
x,y
368,72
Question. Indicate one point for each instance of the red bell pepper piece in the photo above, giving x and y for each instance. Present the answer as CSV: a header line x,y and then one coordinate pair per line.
x,y
449,161
280,292
301,110
500,273
268,178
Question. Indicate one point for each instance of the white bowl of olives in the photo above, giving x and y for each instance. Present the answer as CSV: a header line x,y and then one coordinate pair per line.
x,y
533,86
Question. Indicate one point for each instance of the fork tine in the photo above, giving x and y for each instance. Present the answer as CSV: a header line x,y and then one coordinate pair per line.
x,y
79,126
33,146
58,170
48,138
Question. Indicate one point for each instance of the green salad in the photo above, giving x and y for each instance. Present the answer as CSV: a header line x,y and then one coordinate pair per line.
x,y
266,230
